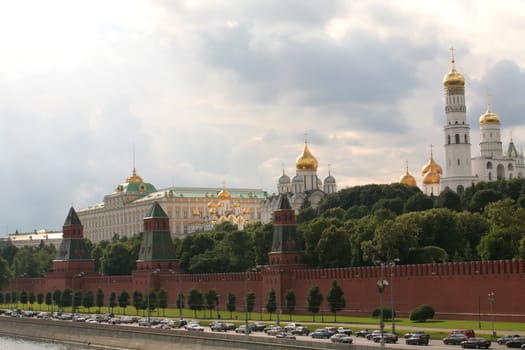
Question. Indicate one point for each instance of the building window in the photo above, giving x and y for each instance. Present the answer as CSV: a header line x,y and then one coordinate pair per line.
x,y
448,138
510,167
457,138
459,163
490,176
466,138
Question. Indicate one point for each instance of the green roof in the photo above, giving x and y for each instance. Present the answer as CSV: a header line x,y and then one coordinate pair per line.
x,y
155,211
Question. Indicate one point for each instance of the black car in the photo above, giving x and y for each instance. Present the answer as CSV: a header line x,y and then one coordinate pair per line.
x,y
417,339
363,333
301,330
219,327
476,343
321,333
408,335
257,327
506,338
454,339
387,338
341,338
515,342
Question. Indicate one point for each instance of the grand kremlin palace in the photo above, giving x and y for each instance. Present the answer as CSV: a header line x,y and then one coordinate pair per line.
x,y
190,209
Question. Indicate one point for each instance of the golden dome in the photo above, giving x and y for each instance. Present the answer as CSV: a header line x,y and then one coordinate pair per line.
x,y
408,180
236,204
196,212
306,161
431,166
134,177
212,205
431,178
489,117
246,211
453,78
224,195
213,211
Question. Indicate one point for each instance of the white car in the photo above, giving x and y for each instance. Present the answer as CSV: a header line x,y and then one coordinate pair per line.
x,y
195,327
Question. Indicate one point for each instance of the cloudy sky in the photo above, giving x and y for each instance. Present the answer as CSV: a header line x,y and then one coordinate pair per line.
x,y
215,91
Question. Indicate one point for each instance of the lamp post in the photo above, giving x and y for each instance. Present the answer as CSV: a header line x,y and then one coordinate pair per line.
x,y
73,291
392,312
148,297
381,284
492,299
246,331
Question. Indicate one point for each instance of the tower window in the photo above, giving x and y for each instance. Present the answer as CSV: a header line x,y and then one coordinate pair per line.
x,y
448,137
459,163
457,138
466,138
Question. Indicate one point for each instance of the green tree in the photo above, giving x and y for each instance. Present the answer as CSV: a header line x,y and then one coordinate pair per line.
x,y
271,304
333,247
195,300
290,302
250,302
422,313
99,299
117,260
152,300
481,198
314,299
418,202
23,297
163,300
39,300
336,299
57,298
66,299
123,300
49,300
112,300
230,304
32,299
137,300
212,299
449,199
89,300
5,273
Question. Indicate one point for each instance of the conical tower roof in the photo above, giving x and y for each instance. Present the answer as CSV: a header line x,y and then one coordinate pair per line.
x,y
72,218
155,211
284,203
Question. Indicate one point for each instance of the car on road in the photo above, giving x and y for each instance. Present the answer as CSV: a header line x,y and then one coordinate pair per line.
x,y
410,334
387,338
285,335
341,338
417,339
344,330
503,340
454,339
274,330
301,330
476,343
515,342
469,333
363,333
372,334
242,329
320,333
257,327
219,327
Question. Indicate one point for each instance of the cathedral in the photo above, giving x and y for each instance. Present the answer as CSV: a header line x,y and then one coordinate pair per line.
x,y
461,169
305,189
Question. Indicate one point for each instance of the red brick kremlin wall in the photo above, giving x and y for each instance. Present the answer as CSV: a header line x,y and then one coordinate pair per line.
x,y
454,290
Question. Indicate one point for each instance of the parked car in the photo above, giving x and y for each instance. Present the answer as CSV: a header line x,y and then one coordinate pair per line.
x,y
274,330
291,326
476,343
387,338
344,330
285,335
469,333
301,330
455,339
506,338
372,334
242,329
515,342
417,339
195,327
410,334
320,333
219,327
341,338
257,327
363,333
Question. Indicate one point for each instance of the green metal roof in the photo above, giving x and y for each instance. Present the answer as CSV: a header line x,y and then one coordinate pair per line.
x,y
155,211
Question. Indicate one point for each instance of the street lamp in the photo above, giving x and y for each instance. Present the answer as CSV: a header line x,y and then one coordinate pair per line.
x,y
392,312
492,299
148,297
246,331
381,284
73,291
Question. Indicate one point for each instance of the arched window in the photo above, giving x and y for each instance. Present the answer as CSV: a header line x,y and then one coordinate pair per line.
x,y
489,165
466,138
448,137
457,138
459,163
510,167
460,189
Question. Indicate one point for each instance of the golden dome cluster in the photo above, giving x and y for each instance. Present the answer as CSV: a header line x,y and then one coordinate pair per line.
x,y
306,161
431,172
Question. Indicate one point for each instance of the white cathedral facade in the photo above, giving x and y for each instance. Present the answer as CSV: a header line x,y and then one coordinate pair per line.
x,y
461,169
304,189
